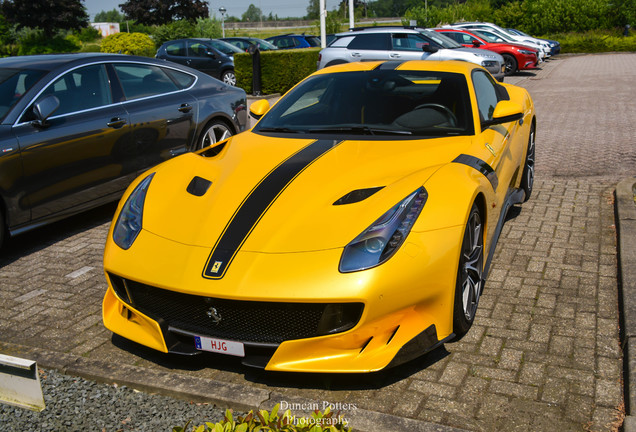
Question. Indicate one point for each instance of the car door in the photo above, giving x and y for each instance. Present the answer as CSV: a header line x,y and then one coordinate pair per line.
x,y
498,138
204,58
408,46
72,159
175,51
162,113
369,47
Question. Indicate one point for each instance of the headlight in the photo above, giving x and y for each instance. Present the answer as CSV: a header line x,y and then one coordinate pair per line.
x,y
130,218
384,237
489,63
526,52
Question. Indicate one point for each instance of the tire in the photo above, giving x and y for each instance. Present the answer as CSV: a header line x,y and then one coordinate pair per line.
x,y
213,132
527,178
228,77
3,229
470,272
510,63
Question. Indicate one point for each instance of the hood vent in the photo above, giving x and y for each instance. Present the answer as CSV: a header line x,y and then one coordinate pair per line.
x,y
198,186
357,195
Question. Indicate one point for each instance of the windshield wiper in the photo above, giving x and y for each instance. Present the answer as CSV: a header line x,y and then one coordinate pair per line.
x,y
279,129
366,130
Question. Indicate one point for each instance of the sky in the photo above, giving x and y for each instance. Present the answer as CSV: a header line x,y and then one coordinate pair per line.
x,y
282,8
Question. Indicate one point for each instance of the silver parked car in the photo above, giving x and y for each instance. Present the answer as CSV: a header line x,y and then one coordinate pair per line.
x,y
404,43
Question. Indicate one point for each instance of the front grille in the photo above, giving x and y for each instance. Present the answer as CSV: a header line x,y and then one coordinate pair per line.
x,y
247,321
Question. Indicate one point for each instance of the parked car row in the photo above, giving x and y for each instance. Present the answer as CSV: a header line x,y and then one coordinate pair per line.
x,y
404,43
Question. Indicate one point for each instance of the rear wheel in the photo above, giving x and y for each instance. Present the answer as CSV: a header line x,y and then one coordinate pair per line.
x,y
510,64
213,132
527,179
469,274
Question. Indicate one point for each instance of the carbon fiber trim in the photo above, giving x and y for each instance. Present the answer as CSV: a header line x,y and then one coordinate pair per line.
x,y
480,166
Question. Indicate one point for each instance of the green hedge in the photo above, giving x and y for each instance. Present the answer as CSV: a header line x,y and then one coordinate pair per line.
x,y
595,42
280,69
129,43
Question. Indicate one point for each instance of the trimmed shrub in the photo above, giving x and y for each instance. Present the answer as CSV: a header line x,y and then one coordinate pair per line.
x,y
129,43
33,41
595,42
280,69
265,421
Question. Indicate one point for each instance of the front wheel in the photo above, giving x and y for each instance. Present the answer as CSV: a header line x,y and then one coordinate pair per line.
x,y
214,132
469,274
228,77
510,64
527,178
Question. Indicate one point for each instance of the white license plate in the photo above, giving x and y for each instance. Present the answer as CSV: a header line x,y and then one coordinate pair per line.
x,y
219,346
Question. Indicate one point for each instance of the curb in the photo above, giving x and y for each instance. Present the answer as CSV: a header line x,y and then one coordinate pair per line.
x,y
626,234
227,395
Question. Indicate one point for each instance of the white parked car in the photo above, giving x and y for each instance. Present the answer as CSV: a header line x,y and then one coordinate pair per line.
x,y
404,43
539,44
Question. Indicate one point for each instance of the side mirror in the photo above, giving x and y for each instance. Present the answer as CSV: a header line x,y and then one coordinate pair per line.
x,y
429,48
43,109
476,43
505,112
210,53
259,108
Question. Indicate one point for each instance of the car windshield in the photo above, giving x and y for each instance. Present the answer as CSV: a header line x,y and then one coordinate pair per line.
x,y
225,47
263,45
444,41
398,103
14,83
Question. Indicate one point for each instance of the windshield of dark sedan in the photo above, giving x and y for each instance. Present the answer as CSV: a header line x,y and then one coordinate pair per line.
x,y
407,104
14,83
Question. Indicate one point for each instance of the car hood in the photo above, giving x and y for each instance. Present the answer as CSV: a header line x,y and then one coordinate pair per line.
x,y
260,182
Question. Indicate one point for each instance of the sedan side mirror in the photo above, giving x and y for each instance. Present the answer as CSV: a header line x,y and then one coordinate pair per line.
x,y
429,48
43,109
259,108
505,112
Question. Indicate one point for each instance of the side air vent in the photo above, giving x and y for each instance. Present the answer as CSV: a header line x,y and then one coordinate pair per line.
x,y
357,195
198,186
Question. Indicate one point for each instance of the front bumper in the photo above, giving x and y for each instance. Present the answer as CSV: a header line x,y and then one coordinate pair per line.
x,y
405,313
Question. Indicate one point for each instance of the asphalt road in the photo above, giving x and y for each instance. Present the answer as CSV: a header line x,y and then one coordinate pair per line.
x,y
544,351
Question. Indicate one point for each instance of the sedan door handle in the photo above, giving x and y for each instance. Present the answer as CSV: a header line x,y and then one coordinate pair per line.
x,y
394,55
184,108
116,122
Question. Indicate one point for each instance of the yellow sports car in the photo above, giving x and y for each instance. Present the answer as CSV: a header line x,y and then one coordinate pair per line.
x,y
349,231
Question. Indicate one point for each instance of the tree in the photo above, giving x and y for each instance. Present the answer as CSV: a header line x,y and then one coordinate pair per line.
x,y
48,15
253,14
151,12
313,10
110,16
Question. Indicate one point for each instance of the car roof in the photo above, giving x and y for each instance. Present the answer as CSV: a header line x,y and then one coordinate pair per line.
x,y
48,62
455,66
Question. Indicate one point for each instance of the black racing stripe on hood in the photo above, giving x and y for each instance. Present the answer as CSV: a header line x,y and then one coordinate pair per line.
x,y
480,166
256,204
389,65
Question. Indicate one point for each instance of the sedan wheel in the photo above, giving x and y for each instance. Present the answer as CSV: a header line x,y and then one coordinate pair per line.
x,y
469,274
214,132
228,77
510,64
527,179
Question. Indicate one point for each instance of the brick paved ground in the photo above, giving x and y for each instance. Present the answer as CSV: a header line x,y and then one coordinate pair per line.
x,y
543,354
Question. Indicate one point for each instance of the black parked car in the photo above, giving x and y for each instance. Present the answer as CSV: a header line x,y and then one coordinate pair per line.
x,y
76,129
212,56
245,42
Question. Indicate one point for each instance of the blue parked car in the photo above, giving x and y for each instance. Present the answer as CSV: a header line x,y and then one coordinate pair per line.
x,y
290,41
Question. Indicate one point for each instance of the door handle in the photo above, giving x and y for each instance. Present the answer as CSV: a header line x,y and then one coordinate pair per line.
x,y
355,54
116,122
184,108
394,55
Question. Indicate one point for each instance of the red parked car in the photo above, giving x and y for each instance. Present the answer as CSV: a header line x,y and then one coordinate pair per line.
x,y
516,57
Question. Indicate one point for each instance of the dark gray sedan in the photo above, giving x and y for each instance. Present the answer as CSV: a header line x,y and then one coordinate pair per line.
x,y
76,129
